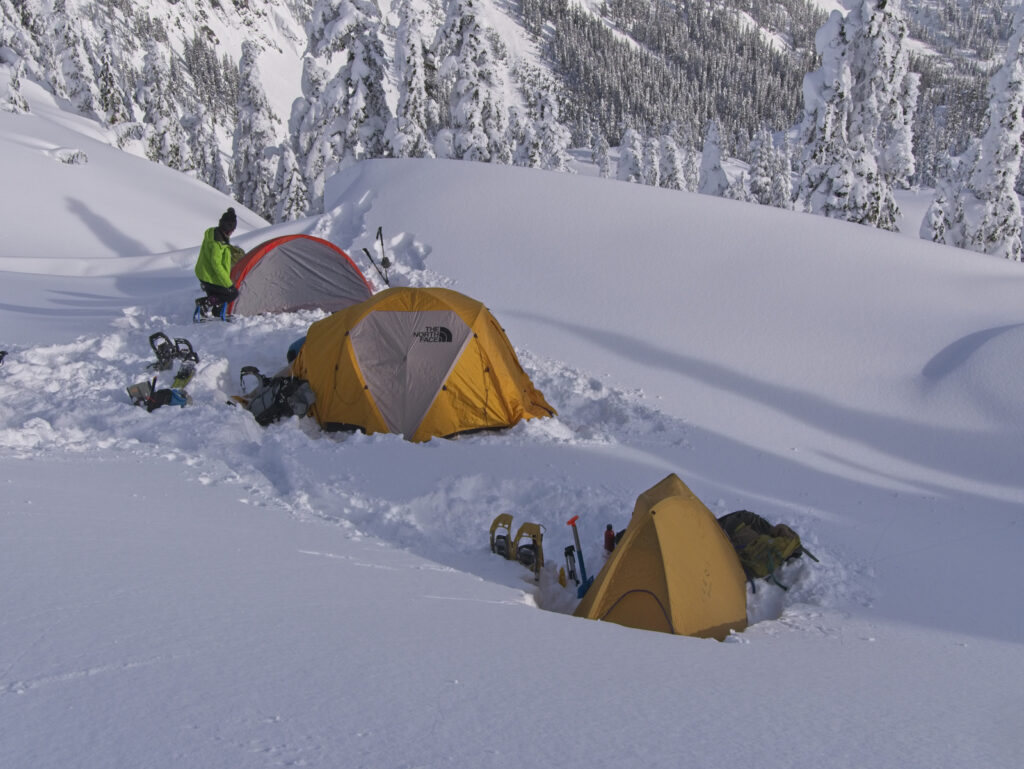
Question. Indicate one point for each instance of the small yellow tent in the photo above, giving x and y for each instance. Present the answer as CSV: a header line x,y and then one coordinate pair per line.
x,y
420,362
673,571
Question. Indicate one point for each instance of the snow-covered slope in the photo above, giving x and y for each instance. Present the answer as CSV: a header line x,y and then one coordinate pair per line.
x,y
184,588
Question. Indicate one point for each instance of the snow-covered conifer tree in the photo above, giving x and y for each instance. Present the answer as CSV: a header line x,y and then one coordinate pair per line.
x,y
540,94
204,149
417,115
476,109
12,11
113,100
826,107
528,152
713,180
306,113
840,177
496,127
254,164
346,120
150,92
15,101
691,158
984,213
762,167
292,199
943,221
49,41
631,153
554,137
858,108
884,91
781,195
738,189
166,139
936,224
602,157
771,182
673,176
650,170
73,70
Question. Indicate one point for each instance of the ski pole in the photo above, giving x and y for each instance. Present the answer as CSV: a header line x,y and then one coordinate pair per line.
x,y
384,260
374,263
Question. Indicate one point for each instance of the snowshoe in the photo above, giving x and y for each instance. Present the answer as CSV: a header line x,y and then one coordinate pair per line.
x,y
501,535
183,350
164,349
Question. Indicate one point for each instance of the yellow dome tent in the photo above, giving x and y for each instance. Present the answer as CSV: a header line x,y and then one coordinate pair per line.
x,y
674,570
420,362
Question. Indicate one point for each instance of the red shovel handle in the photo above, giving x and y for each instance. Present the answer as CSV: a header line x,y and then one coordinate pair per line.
x,y
572,521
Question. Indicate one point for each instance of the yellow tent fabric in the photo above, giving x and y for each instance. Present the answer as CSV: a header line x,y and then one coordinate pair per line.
x,y
420,362
673,571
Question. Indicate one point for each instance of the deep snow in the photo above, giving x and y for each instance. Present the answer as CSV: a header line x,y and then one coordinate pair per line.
x,y
184,588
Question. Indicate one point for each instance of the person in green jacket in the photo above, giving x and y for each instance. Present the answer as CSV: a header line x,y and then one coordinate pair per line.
x,y
216,256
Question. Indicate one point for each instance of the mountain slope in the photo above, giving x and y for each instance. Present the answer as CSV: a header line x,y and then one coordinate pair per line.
x,y
665,67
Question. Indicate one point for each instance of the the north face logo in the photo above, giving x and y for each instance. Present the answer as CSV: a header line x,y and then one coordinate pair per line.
x,y
433,334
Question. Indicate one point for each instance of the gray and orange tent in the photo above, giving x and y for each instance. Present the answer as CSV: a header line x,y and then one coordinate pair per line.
x,y
673,571
297,272
419,362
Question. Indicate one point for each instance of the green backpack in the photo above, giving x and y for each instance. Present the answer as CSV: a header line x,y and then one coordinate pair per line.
x,y
762,547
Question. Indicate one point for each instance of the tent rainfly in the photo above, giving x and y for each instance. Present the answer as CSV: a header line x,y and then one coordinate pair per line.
x,y
297,272
674,570
420,362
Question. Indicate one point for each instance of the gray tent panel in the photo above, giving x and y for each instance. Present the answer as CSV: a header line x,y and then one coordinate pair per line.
x,y
300,274
405,358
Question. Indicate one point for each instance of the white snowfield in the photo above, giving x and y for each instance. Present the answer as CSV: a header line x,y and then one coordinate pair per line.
x,y
187,589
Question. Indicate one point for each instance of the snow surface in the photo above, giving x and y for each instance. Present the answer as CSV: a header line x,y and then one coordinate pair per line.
x,y
186,589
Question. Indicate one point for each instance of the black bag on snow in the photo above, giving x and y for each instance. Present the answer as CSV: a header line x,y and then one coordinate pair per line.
x,y
277,397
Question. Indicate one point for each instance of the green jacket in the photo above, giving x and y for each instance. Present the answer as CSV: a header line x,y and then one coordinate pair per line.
x,y
215,259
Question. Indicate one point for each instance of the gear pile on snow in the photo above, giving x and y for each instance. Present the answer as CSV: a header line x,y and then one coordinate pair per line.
x,y
275,397
761,546
145,394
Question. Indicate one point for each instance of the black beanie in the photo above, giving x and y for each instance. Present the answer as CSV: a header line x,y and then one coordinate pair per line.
x,y
228,221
